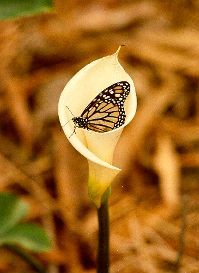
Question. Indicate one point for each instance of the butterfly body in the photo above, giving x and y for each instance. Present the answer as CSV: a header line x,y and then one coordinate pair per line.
x,y
106,111
80,122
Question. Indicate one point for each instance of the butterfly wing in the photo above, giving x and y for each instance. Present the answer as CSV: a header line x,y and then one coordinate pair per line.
x,y
106,110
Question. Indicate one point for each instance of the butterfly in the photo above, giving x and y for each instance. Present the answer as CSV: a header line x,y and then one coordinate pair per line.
x,y
106,111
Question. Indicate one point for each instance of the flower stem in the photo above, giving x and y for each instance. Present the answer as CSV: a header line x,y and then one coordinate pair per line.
x,y
103,237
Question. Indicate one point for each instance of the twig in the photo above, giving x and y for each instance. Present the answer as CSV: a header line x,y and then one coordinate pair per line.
x,y
29,259
182,234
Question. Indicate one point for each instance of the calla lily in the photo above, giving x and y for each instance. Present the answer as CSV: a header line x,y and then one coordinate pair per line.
x,y
98,148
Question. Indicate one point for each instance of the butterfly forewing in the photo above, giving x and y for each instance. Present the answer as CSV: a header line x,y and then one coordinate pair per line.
x,y
106,110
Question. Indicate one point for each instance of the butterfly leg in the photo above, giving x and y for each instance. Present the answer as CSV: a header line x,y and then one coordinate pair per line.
x,y
74,132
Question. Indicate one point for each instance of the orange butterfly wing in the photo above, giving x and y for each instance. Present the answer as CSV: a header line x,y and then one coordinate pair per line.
x,y
106,111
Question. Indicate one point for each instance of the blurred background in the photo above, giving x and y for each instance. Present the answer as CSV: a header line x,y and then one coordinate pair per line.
x,y
154,206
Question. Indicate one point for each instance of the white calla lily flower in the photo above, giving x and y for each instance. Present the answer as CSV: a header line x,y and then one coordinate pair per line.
x,y
98,148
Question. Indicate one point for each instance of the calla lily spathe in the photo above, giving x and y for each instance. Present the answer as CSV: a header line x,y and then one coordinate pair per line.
x,y
98,148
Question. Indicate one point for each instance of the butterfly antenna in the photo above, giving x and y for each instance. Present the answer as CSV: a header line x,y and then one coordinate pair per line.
x,y
66,123
69,110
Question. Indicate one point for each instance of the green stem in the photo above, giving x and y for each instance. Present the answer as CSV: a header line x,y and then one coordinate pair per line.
x,y
103,237
29,259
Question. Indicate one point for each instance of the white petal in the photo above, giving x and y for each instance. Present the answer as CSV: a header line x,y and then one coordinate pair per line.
x,y
98,148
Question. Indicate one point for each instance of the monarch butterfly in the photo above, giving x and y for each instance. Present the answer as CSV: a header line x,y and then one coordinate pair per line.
x,y
106,111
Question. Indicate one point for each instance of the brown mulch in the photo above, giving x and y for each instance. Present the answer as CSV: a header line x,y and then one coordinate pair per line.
x,y
155,200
